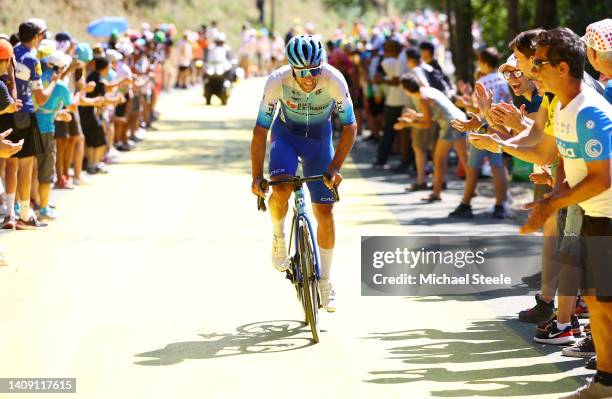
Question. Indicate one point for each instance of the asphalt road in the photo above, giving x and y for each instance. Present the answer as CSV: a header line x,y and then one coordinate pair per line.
x,y
156,283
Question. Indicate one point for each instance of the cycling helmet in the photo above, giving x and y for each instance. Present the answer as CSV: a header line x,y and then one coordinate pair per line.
x,y
304,51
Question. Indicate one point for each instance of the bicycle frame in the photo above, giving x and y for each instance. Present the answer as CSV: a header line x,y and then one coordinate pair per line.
x,y
300,212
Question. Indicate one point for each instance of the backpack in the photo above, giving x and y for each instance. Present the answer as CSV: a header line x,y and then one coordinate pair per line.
x,y
436,79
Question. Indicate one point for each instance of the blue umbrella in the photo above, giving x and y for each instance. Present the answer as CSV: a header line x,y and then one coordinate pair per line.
x,y
103,27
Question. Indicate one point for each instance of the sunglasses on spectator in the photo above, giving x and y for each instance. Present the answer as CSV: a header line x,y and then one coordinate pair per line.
x,y
517,73
539,64
304,73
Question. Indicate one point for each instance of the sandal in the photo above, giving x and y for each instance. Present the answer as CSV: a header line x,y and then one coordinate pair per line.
x,y
417,187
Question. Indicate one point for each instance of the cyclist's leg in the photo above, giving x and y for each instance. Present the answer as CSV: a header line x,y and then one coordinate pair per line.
x,y
283,164
316,155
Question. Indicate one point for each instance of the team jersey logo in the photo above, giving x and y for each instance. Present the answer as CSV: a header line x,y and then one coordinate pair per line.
x,y
292,105
590,124
593,148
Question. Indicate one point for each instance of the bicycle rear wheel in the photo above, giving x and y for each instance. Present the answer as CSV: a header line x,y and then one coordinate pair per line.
x,y
309,284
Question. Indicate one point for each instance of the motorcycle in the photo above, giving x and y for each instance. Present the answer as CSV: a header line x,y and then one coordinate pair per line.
x,y
217,81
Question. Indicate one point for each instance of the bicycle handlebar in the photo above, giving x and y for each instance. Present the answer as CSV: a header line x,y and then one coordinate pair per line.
x,y
295,181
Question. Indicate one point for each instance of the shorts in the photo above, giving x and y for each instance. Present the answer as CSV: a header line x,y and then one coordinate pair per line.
x,y
314,153
451,134
596,235
46,160
375,107
121,109
72,128
476,156
30,135
92,129
423,138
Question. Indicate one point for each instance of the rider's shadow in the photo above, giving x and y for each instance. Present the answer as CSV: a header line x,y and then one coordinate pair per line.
x,y
261,337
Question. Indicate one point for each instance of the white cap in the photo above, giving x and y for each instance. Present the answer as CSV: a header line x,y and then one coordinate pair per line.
x,y
511,63
42,25
114,55
58,59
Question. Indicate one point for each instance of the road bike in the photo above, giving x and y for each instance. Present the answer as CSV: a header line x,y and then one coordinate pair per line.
x,y
303,271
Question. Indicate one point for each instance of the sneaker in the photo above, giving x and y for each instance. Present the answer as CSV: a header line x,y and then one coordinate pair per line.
x,y
555,336
102,168
8,223
462,211
64,183
592,390
576,332
328,296
92,170
581,308
499,212
591,364
47,213
540,312
583,348
31,224
279,253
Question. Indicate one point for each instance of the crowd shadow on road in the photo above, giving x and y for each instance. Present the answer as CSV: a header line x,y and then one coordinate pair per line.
x,y
249,339
456,357
203,125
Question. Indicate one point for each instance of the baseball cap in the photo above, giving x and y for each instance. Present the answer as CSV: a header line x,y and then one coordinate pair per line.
x,y
511,63
114,55
598,35
84,52
40,23
57,59
6,50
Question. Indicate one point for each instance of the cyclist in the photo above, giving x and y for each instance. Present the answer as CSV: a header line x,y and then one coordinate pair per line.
x,y
308,91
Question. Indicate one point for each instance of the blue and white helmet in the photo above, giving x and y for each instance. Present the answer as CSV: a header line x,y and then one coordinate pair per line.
x,y
304,51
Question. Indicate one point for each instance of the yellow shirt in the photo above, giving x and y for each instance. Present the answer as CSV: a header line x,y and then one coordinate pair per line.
x,y
549,129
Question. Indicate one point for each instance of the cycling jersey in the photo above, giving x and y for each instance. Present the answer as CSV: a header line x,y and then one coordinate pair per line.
x,y
302,129
583,130
306,114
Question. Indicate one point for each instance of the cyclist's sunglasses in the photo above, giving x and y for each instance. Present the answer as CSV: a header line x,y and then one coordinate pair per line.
x,y
304,73
517,73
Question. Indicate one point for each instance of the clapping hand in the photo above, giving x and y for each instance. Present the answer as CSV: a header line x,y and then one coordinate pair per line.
x,y
8,148
508,115
472,124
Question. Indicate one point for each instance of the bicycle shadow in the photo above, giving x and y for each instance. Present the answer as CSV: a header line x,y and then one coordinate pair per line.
x,y
249,339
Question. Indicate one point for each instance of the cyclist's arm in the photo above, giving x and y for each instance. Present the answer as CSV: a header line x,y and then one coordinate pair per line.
x,y
258,151
267,107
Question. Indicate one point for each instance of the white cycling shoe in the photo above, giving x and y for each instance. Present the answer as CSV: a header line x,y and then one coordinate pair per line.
x,y
328,296
280,260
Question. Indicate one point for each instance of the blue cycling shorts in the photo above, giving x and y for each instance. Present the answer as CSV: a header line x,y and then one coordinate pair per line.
x,y
315,153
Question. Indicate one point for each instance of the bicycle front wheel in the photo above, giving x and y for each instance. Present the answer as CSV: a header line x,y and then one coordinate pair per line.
x,y
309,284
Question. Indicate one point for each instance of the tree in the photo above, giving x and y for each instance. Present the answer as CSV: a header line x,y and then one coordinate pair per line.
x,y
546,14
460,26
513,18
